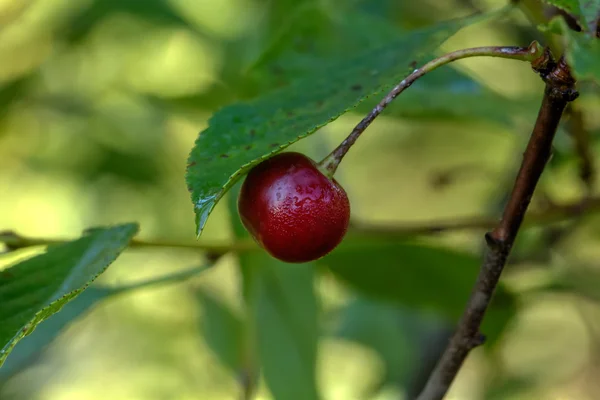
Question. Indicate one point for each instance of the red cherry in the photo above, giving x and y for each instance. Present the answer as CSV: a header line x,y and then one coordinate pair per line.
x,y
295,212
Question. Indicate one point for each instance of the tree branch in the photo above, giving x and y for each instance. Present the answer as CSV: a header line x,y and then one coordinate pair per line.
x,y
14,241
559,91
553,213
330,163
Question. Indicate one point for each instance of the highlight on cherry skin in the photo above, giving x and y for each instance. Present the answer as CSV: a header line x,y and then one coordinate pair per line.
x,y
293,210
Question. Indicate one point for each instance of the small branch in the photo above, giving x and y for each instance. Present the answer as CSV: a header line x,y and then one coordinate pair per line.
x,y
14,241
551,214
559,91
529,54
163,280
554,213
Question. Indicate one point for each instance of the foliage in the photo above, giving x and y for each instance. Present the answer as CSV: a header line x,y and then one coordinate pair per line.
x,y
36,288
105,99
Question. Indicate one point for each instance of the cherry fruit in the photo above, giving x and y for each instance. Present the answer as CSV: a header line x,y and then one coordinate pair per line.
x,y
295,212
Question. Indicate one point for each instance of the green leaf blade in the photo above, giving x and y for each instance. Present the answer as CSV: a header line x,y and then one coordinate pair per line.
x,y
586,12
282,319
37,288
32,345
582,51
421,277
285,312
584,54
590,10
223,331
241,135
570,6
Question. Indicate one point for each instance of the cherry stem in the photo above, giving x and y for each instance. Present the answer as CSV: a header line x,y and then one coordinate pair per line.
x,y
529,54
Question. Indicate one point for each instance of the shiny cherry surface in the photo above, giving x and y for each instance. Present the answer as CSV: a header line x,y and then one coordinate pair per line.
x,y
295,212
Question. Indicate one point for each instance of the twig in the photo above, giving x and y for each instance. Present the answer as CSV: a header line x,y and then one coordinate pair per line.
x,y
14,241
162,280
551,214
537,13
534,51
559,91
554,213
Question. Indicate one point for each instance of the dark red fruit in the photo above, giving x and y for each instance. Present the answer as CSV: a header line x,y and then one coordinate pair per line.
x,y
295,212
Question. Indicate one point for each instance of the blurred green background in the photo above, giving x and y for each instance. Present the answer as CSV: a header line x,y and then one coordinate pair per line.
x,y
100,104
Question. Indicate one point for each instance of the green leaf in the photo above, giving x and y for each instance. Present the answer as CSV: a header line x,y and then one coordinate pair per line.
x,y
590,10
408,343
284,309
241,135
316,36
583,55
223,331
570,6
418,276
36,288
283,318
447,93
31,346
382,327
586,12
582,51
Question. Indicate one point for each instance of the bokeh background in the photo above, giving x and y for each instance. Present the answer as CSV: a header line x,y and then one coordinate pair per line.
x,y
100,104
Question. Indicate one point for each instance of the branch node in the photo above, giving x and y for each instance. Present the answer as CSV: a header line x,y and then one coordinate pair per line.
x,y
560,89
494,241
544,64
478,340
560,83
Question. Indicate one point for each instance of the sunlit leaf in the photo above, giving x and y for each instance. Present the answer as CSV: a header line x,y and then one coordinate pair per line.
x,y
34,289
241,135
32,346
